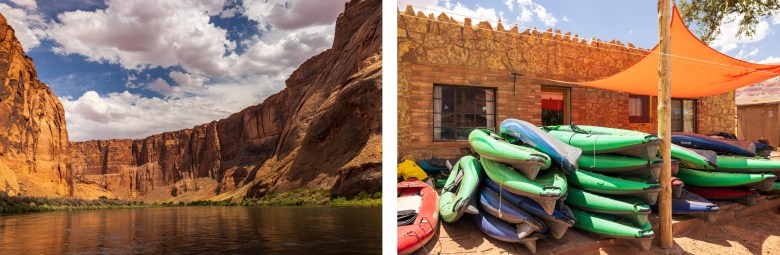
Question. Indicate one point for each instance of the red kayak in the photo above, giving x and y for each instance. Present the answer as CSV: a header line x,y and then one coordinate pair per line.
x,y
675,166
677,187
743,196
418,215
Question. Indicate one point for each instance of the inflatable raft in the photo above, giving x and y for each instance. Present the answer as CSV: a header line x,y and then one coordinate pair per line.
x,y
460,189
418,215
490,145
563,154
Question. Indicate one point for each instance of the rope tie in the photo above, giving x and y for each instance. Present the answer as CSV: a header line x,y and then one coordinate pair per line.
x,y
438,240
595,141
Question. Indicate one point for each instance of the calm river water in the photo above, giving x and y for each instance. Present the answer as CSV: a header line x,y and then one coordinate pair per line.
x,y
195,230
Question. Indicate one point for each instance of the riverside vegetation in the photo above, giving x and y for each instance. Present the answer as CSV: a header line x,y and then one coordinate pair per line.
x,y
299,197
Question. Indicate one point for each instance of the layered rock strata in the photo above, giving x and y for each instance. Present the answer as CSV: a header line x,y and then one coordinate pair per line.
x,y
323,131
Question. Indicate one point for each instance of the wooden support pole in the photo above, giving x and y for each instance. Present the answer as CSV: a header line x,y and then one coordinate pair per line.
x,y
664,123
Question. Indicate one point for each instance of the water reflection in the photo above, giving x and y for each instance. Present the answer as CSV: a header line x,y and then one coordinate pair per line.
x,y
187,230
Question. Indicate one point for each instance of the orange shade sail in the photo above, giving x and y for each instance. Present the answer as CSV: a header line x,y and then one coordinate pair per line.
x,y
697,69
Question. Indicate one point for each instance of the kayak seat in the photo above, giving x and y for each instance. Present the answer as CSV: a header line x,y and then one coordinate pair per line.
x,y
406,217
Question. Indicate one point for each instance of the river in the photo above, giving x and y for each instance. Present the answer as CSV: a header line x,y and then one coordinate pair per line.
x,y
195,230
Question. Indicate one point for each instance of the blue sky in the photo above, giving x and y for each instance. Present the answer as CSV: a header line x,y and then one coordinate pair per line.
x,y
626,21
132,68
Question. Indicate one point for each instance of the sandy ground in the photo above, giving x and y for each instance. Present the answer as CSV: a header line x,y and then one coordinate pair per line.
x,y
757,234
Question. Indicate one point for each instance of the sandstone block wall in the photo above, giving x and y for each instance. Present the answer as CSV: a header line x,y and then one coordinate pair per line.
x,y
440,50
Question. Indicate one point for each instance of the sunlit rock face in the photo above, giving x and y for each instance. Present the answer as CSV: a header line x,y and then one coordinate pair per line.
x,y
33,136
323,131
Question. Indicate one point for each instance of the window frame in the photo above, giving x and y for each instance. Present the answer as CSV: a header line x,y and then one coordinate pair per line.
x,y
646,118
456,111
695,113
566,101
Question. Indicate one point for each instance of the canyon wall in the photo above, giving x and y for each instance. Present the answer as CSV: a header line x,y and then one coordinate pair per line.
x,y
322,131
33,137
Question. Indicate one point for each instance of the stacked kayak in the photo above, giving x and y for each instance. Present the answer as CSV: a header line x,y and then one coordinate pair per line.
x,y
558,221
606,185
598,140
618,164
694,159
503,231
742,196
736,164
737,174
495,205
759,181
720,146
614,227
418,215
460,189
510,190
545,190
636,213
616,181
563,154
490,145
689,203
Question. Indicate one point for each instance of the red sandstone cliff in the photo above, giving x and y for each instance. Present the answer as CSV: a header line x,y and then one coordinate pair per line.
x,y
33,138
763,91
322,131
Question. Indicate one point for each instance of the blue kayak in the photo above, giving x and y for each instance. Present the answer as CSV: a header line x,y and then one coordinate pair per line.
x,y
562,153
697,141
763,150
690,203
503,231
500,208
558,222
432,166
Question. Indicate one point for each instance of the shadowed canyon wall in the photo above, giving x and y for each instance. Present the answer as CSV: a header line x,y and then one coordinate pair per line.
x,y
322,131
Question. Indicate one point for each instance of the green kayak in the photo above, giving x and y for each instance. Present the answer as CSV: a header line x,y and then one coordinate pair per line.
x,y
489,144
602,184
617,164
545,190
586,201
614,227
688,158
736,164
759,181
775,188
460,189
693,160
632,144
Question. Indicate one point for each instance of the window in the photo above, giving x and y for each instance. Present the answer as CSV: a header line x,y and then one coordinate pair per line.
x,y
459,109
684,115
638,109
555,106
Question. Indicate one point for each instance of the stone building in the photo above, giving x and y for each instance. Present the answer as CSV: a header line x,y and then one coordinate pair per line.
x,y
453,77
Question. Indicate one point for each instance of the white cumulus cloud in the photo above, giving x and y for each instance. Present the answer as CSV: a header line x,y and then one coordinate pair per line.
x,y
211,80
290,15
728,40
147,33
770,60
29,4
127,115
29,25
